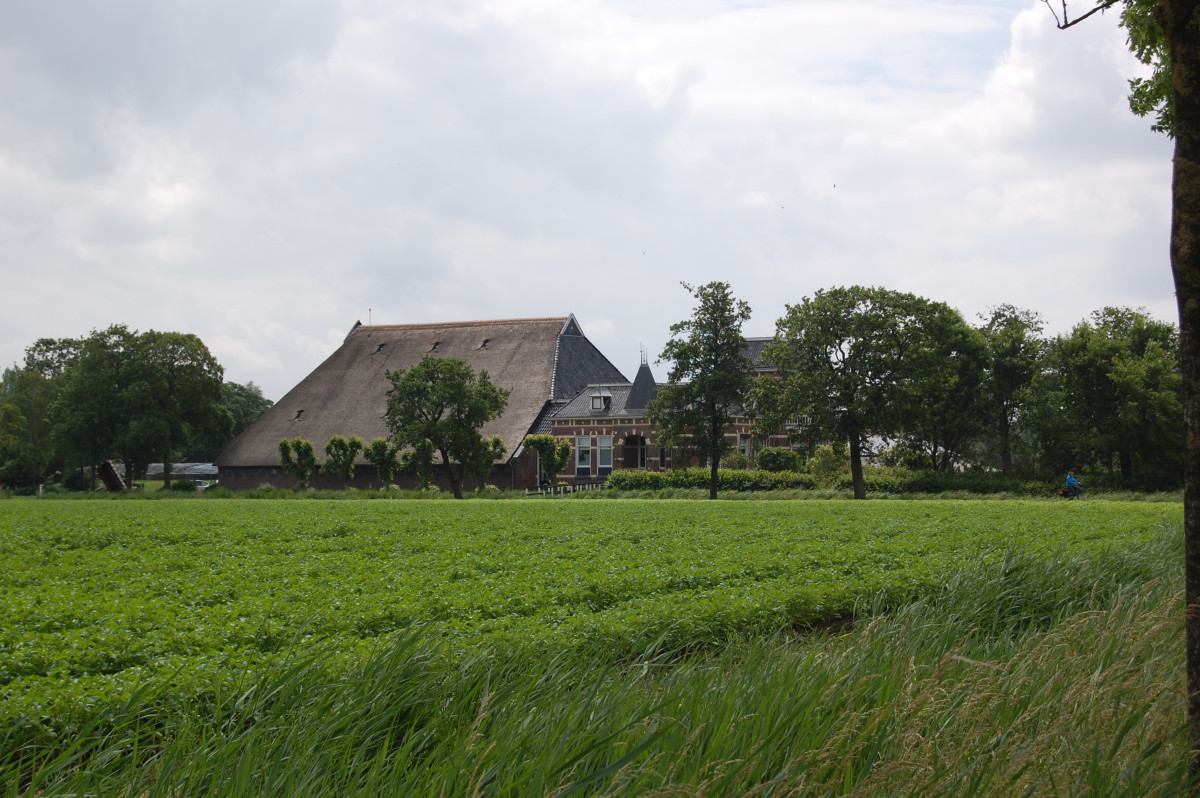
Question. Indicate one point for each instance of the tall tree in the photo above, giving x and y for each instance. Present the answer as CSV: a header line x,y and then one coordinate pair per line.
x,y
946,406
31,453
850,361
88,416
1012,336
1173,27
1116,380
175,394
708,378
443,401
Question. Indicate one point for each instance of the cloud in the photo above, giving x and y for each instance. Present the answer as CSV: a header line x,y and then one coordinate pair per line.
x,y
263,175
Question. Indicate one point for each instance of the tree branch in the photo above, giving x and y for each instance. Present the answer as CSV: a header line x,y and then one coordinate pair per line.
x,y
1067,22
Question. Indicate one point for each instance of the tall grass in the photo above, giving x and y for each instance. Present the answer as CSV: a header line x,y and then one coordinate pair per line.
x,y
1030,677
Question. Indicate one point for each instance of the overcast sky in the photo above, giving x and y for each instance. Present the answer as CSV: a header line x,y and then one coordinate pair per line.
x,y
266,174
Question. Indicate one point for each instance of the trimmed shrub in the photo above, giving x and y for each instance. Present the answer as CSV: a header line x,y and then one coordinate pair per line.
x,y
735,461
775,458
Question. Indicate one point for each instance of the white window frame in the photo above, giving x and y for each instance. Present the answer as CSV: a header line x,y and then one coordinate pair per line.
x,y
604,446
583,456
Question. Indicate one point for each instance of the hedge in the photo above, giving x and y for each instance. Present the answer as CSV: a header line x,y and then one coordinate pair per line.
x,y
728,479
878,480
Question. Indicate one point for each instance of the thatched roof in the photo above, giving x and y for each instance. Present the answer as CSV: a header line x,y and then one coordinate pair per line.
x,y
541,361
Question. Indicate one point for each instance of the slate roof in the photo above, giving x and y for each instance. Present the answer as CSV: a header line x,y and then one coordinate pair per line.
x,y
617,394
754,352
543,362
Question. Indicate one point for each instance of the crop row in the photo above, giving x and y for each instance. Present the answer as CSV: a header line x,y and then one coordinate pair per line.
x,y
97,596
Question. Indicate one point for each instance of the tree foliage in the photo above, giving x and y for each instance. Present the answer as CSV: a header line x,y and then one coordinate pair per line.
x,y
553,455
1111,396
945,412
442,404
708,379
175,394
118,393
28,452
245,404
341,454
298,457
383,456
1012,336
1147,40
856,362
89,415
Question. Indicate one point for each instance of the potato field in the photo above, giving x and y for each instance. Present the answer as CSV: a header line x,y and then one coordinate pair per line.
x,y
97,596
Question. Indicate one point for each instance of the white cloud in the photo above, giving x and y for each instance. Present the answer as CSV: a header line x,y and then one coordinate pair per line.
x,y
261,176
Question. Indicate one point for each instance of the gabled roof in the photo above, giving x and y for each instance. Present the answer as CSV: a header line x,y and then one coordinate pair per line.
x,y
538,360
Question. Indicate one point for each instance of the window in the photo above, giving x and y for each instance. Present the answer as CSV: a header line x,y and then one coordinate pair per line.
x,y
597,402
583,457
604,456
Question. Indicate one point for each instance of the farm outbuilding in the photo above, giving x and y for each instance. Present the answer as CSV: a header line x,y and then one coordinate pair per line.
x,y
544,362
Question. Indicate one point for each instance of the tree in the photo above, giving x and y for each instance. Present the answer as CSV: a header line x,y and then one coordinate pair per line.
x,y
1116,387
1014,351
946,407
553,455
245,403
418,459
382,455
443,401
298,457
851,361
340,454
30,454
708,379
175,394
1173,27
88,417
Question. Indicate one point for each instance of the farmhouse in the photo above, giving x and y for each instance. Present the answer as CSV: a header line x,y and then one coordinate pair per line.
x,y
545,363
608,428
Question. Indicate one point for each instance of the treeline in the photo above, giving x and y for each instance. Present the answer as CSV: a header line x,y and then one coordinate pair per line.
x,y
117,393
879,369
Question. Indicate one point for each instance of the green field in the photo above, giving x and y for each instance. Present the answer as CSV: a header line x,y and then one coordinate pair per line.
x,y
101,593
100,597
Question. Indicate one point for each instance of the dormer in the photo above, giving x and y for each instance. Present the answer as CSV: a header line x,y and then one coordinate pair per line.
x,y
601,400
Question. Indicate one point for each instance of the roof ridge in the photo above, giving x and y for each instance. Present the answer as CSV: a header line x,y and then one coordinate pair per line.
x,y
475,323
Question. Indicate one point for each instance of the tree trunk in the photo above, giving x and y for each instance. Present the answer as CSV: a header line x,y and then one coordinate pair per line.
x,y
1005,445
1180,20
455,478
856,472
714,477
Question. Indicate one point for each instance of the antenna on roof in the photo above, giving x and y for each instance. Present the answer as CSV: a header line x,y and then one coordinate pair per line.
x,y
368,317
644,361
